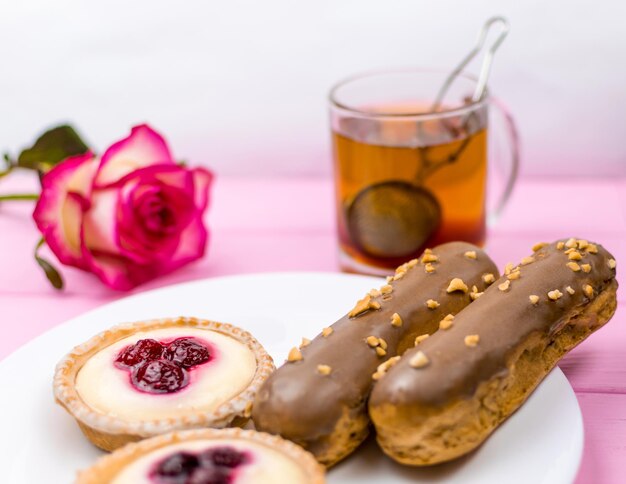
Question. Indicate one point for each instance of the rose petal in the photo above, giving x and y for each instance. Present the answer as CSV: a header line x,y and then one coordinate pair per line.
x,y
170,184
195,238
116,272
100,222
192,245
122,274
202,181
58,213
143,147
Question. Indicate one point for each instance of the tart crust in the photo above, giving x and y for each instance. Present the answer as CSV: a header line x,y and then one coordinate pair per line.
x,y
107,467
108,432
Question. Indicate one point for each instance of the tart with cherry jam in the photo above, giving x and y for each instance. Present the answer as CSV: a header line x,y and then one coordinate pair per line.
x,y
143,379
208,456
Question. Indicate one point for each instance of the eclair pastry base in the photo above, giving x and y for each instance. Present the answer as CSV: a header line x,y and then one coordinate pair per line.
x,y
107,468
463,425
327,413
110,432
443,415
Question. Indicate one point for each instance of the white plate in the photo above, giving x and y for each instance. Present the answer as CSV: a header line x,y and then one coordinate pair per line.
x,y
39,442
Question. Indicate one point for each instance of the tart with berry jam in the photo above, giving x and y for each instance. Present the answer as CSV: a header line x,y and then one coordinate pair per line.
x,y
207,456
143,379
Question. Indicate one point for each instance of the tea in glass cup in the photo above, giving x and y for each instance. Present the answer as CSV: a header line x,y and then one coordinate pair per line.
x,y
407,178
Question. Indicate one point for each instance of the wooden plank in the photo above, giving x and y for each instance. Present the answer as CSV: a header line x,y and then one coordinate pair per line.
x,y
604,457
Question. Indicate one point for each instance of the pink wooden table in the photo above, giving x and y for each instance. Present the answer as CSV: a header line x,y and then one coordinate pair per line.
x,y
287,225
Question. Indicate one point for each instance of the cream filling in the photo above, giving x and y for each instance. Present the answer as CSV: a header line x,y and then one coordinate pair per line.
x,y
268,466
107,389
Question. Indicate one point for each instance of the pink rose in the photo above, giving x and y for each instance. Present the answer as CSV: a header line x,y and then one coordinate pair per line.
x,y
127,217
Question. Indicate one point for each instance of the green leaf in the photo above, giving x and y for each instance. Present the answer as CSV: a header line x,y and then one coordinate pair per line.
x,y
51,273
52,147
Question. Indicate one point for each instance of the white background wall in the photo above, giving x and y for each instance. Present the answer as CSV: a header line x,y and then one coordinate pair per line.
x,y
240,84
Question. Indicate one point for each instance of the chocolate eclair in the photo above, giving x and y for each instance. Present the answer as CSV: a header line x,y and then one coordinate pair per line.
x,y
318,398
444,397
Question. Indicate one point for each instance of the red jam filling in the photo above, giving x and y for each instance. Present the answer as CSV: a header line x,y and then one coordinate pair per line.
x,y
157,367
213,466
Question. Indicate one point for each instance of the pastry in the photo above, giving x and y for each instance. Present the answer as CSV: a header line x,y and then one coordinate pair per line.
x,y
318,397
207,456
139,380
444,397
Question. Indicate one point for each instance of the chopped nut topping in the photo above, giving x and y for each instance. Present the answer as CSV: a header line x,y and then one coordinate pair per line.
x,y
384,367
399,276
305,342
586,268
449,317
377,343
247,411
412,263
534,299
429,268
570,290
472,340
508,268
554,295
474,289
326,332
475,295
402,268
388,364
380,351
389,279
432,304
560,245
372,341
470,254
588,290
362,306
396,320
419,360
456,284
489,278
294,355
374,293
571,243
573,266
428,251
592,248
583,244
569,251
574,255
527,260
513,275
386,289
324,369
539,246
445,324
430,257
420,338
504,286
611,263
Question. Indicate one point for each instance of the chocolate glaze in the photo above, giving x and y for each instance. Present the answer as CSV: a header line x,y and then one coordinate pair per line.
x,y
503,321
302,405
